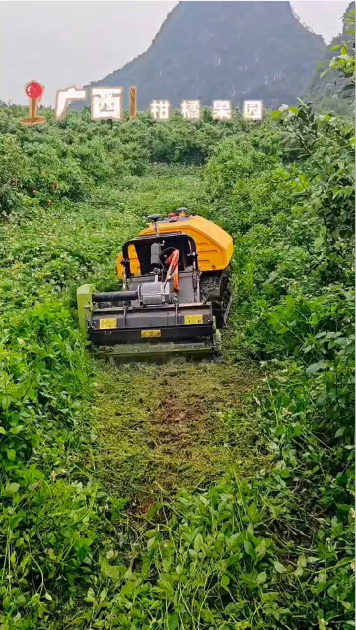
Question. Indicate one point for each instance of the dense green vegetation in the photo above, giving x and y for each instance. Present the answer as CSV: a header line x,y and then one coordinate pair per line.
x,y
260,534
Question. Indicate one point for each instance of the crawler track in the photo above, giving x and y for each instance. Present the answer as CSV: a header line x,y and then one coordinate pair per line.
x,y
216,287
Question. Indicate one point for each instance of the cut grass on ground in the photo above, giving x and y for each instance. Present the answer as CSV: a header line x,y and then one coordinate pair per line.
x,y
165,428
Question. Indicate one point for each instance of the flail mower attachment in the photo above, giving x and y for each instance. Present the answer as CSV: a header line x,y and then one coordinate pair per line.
x,y
137,333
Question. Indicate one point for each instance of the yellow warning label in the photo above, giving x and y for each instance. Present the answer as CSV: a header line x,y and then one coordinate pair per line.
x,y
150,333
193,319
108,323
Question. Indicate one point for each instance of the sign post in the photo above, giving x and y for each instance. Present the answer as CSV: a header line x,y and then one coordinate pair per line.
x,y
34,91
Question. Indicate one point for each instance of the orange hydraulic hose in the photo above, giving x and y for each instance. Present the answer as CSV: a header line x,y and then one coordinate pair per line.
x,y
172,272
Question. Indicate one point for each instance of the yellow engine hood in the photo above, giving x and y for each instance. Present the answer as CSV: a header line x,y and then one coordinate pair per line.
x,y
214,245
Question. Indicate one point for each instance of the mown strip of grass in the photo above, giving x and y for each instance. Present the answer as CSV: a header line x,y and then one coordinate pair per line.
x,y
173,427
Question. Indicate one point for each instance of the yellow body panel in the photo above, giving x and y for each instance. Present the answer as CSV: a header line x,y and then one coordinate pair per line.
x,y
214,245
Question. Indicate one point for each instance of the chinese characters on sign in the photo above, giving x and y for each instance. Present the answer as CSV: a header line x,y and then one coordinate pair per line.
x,y
65,97
190,110
160,110
222,110
107,104
253,110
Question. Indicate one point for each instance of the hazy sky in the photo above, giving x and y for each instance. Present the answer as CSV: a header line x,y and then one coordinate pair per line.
x,y
72,43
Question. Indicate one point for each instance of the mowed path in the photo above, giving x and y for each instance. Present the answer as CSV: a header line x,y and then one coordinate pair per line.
x,y
165,428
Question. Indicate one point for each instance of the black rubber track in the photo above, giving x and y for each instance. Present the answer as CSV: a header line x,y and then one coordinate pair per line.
x,y
215,287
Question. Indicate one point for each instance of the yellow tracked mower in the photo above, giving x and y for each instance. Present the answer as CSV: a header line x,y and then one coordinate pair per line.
x,y
175,296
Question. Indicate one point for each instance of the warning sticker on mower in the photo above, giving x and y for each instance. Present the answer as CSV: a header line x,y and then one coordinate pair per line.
x,y
150,333
108,323
193,319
